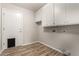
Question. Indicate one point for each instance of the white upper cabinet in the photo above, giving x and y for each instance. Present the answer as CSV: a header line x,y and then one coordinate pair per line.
x,y
72,11
38,15
60,14
47,15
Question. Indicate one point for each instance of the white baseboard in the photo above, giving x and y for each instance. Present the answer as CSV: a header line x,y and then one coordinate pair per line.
x,y
28,43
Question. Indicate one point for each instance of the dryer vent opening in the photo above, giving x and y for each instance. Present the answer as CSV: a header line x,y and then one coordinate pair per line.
x,y
11,42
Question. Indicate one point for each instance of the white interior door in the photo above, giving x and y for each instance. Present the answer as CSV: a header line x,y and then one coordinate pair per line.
x,y
11,27
19,28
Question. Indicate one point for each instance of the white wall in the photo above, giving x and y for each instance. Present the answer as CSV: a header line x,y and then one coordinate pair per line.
x,y
61,39
29,27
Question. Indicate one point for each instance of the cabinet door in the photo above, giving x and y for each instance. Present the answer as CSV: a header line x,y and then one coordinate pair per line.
x,y
38,15
47,17
73,13
60,14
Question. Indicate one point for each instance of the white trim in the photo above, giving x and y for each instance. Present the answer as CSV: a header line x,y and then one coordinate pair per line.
x,y
28,43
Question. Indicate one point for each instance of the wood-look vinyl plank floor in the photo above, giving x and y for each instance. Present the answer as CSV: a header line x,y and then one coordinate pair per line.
x,y
35,49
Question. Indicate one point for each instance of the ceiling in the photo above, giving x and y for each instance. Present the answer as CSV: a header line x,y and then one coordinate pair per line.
x,y
31,6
